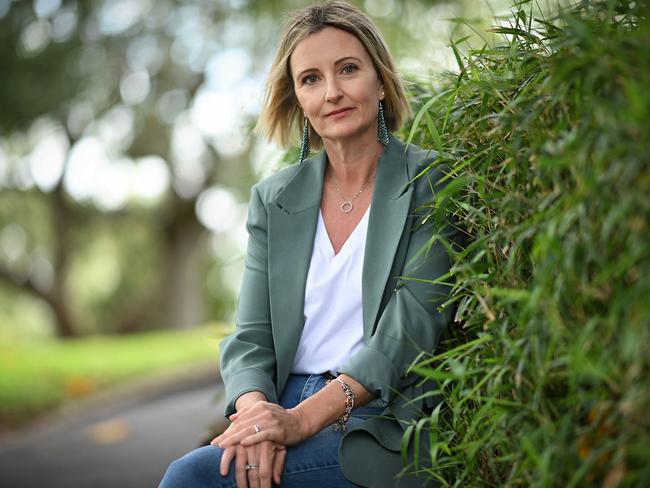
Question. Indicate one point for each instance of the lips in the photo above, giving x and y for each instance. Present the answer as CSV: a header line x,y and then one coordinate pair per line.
x,y
339,112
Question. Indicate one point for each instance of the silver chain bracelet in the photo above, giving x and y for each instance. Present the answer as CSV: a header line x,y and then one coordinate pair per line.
x,y
342,423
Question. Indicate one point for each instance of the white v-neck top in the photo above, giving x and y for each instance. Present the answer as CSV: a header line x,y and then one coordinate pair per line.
x,y
333,329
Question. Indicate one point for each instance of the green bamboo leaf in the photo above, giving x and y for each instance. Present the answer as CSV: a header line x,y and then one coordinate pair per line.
x,y
416,441
420,114
433,132
511,293
404,445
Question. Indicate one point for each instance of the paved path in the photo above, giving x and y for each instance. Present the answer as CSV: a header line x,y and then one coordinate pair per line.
x,y
124,439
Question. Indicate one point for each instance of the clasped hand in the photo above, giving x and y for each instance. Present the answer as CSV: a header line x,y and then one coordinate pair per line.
x,y
257,436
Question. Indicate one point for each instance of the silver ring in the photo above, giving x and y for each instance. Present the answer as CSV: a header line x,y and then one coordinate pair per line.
x,y
248,467
257,429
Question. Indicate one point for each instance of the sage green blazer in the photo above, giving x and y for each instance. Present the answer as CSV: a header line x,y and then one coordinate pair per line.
x,y
400,316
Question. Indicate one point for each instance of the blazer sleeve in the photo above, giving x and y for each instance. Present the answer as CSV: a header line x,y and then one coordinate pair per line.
x,y
247,356
410,321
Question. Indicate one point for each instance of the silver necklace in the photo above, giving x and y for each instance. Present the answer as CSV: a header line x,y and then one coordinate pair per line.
x,y
346,206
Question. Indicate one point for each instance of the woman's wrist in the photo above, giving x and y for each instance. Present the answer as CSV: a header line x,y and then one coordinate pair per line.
x,y
249,399
329,406
306,425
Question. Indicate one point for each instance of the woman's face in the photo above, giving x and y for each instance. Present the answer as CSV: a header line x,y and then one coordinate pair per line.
x,y
336,85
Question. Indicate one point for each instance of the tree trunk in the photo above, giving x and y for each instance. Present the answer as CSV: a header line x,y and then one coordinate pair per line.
x,y
182,289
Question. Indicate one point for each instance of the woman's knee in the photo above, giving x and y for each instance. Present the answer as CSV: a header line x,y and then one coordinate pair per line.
x,y
199,467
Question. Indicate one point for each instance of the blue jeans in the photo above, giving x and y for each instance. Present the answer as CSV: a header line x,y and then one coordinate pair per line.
x,y
312,463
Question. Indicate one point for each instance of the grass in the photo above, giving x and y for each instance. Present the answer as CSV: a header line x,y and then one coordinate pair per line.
x,y
546,370
39,376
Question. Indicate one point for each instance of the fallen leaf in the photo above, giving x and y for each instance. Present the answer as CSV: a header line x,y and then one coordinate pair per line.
x,y
110,432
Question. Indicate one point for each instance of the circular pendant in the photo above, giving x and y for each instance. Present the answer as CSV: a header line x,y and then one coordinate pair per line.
x,y
346,207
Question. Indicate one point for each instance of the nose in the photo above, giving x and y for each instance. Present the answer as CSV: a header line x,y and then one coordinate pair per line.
x,y
333,93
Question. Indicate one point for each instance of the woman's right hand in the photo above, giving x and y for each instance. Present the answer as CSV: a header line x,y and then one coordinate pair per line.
x,y
267,454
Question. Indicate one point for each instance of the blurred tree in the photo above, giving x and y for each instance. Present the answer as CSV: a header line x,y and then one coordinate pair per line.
x,y
80,68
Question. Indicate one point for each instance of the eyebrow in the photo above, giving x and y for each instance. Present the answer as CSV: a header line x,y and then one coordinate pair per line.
x,y
336,63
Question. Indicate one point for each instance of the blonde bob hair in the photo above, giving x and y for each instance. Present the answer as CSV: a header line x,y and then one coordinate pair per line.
x,y
281,119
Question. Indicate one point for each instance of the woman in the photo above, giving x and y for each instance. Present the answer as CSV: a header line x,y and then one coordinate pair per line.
x,y
321,297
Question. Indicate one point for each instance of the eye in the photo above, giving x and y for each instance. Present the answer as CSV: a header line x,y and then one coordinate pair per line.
x,y
349,68
309,79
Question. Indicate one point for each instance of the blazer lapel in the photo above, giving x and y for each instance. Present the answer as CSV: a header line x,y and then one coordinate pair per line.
x,y
293,216
391,201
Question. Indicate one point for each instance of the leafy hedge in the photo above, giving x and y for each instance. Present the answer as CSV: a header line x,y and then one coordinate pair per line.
x,y
546,370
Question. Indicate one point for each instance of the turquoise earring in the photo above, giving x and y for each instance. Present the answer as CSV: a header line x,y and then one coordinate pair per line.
x,y
382,129
304,144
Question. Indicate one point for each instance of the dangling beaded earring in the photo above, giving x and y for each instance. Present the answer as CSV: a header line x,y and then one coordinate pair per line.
x,y
382,130
304,144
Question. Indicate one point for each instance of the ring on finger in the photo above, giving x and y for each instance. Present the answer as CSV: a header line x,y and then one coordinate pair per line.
x,y
257,429
248,467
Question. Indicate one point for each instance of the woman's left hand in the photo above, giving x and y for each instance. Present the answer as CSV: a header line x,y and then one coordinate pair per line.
x,y
264,421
